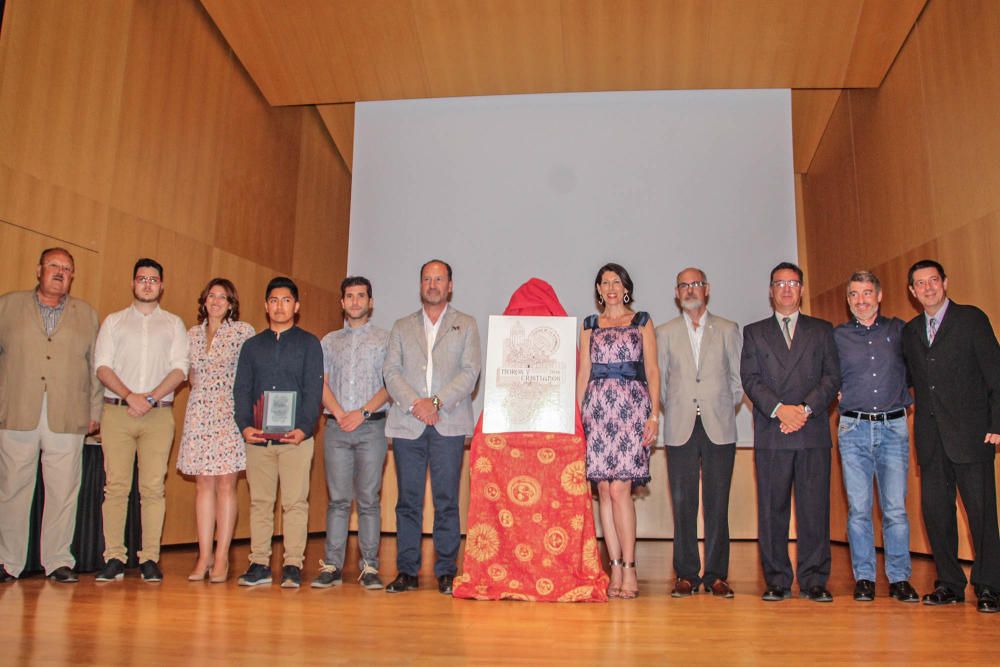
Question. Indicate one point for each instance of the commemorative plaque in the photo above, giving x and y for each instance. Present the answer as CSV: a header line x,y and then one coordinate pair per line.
x,y
530,375
274,413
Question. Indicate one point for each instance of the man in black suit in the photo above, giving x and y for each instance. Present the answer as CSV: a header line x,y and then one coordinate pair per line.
x,y
954,363
791,372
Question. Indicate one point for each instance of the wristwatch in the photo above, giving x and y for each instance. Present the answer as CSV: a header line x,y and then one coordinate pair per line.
x,y
436,401
151,401
366,414
805,406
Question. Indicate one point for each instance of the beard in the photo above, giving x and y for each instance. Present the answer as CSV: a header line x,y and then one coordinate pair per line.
x,y
692,304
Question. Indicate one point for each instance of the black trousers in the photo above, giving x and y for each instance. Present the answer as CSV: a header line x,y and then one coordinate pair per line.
x,y
701,459
939,478
807,471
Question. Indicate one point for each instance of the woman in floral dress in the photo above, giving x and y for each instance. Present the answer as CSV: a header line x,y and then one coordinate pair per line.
x,y
212,449
618,391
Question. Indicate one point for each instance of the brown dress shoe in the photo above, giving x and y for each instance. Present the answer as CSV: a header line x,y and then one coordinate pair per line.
x,y
682,589
720,588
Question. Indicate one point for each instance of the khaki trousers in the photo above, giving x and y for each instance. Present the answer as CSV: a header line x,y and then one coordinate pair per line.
x,y
61,457
266,467
123,437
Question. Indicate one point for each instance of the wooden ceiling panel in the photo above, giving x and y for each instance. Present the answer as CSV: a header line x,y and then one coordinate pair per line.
x,y
332,51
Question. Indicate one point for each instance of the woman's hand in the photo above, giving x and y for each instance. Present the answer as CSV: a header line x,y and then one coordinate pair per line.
x,y
650,431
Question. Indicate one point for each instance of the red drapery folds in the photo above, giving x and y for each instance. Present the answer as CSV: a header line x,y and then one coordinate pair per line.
x,y
531,522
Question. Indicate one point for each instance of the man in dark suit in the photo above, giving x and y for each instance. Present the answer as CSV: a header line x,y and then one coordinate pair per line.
x,y
791,372
954,363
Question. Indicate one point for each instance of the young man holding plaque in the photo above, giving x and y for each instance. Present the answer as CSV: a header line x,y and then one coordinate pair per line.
x,y
431,367
141,355
354,445
277,393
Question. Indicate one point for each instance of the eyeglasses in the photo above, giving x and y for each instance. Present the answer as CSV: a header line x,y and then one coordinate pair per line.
x,y
147,280
781,284
61,268
692,285
933,281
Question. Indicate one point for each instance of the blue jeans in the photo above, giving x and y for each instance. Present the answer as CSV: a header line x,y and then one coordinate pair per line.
x,y
880,450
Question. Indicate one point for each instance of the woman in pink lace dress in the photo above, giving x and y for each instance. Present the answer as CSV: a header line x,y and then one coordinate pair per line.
x,y
212,449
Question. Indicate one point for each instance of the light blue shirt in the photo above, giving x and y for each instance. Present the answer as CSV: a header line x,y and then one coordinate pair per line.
x,y
938,316
352,362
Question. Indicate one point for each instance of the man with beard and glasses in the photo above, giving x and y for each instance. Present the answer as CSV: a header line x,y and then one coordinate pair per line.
x,y
354,445
700,370
141,356
873,438
49,400
431,368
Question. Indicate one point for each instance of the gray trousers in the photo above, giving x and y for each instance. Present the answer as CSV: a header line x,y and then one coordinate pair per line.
x,y
354,463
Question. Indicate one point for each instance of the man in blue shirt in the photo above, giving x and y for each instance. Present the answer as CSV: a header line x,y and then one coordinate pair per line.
x,y
873,437
354,444
283,357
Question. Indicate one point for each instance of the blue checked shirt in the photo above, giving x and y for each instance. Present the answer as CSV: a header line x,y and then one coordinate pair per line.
x,y
352,362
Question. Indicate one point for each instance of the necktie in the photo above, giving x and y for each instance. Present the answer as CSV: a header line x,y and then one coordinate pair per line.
x,y
785,330
931,330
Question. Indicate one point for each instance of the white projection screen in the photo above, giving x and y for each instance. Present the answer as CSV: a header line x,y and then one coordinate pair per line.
x,y
553,186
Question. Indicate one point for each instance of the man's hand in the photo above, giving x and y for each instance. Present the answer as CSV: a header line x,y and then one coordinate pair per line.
x,y
252,435
137,405
793,417
992,439
294,437
424,410
350,420
93,427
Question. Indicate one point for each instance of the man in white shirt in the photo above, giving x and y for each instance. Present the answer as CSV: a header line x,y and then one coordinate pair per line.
x,y
700,371
431,367
141,356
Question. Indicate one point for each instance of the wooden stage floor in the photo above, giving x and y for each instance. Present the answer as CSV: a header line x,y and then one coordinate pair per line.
x,y
178,622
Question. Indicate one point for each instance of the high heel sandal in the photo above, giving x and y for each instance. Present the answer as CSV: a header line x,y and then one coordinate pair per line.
x,y
627,593
199,575
220,578
615,591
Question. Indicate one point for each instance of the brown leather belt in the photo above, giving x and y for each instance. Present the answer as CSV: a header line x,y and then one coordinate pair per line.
x,y
122,401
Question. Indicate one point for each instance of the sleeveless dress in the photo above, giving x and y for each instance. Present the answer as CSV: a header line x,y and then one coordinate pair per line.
x,y
211,443
616,403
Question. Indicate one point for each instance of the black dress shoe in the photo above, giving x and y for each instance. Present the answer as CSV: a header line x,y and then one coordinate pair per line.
x,y
114,570
402,582
6,576
942,595
864,590
150,572
445,582
776,594
64,575
904,592
988,602
817,594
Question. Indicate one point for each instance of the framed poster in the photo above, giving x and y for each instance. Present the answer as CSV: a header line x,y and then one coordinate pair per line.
x,y
530,375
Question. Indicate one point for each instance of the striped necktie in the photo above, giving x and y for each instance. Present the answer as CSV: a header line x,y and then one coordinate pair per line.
x,y
788,333
932,326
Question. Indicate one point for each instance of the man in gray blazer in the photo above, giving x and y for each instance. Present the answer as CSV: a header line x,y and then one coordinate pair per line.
x,y
431,367
699,355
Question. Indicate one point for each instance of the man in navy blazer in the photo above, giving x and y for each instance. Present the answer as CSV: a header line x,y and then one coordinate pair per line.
x,y
954,363
791,373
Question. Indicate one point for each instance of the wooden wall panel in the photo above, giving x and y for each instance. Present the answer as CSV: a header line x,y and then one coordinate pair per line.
x,y
259,179
339,121
323,210
831,206
811,110
924,149
128,129
172,108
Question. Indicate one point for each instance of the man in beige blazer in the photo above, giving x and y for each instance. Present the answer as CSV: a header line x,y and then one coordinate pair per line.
x,y
431,366
699,357
49,400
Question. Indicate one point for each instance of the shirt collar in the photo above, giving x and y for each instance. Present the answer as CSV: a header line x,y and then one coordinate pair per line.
x,y
879,319
690,323
939,315
140,313
356,330
427,320
58,306
793,317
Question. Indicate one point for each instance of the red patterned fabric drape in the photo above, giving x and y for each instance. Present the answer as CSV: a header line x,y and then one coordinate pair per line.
x,y
531,523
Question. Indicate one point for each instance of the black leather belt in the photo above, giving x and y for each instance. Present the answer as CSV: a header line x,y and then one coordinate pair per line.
x,y
122,401
375,416
876,416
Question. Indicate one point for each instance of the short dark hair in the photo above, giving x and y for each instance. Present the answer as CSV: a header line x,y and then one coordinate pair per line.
x,y
353,281
41,258
786,266
231,296
436,261
282,281
622,274
147,262
924,264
